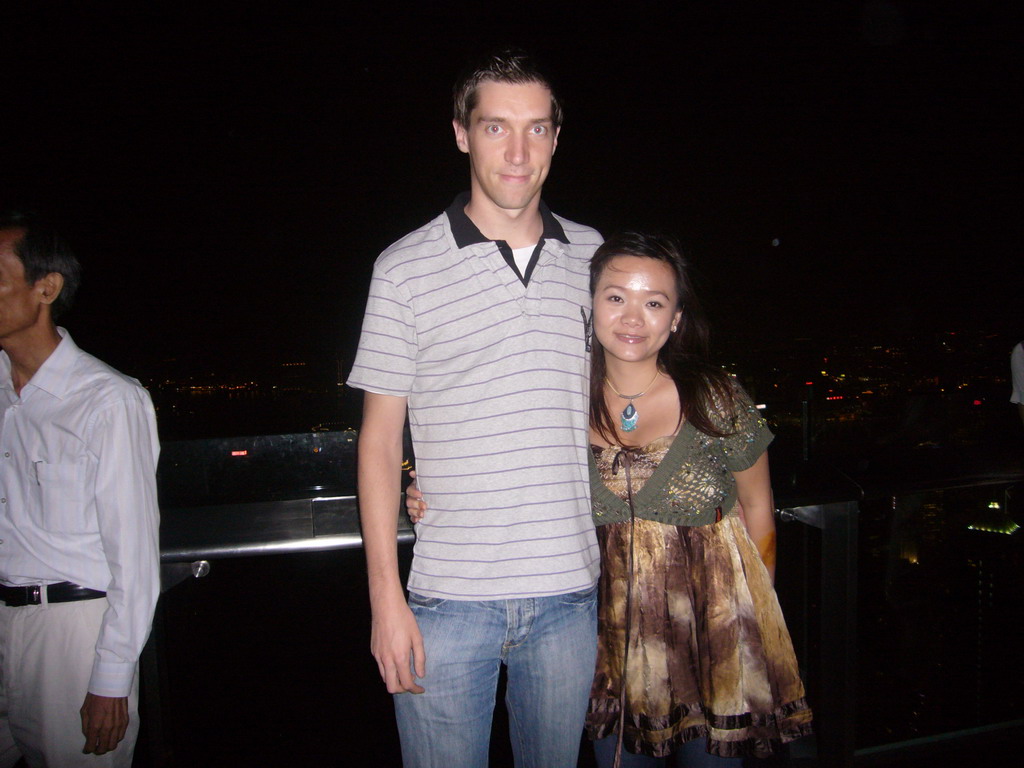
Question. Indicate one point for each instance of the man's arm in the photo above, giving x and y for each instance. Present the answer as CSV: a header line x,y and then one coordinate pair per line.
x,y
754,488
394,633
125,445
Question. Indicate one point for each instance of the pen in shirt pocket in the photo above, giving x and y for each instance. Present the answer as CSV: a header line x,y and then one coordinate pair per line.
x,y
35,470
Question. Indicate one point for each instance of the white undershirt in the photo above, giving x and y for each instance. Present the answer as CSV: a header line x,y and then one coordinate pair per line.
x,y
522,257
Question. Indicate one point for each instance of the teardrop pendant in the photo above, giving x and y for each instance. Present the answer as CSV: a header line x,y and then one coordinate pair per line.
x,y
629,417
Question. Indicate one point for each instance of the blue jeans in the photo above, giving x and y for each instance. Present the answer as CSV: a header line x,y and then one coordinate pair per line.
x,y
691,754
549,645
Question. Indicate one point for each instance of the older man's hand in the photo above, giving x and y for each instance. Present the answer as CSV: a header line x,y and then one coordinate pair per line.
x,y
104,722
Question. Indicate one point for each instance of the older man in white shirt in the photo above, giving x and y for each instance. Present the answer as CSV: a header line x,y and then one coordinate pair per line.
x,y
79,546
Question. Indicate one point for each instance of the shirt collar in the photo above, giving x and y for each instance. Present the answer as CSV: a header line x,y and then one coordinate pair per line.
x,y
54,375
466,232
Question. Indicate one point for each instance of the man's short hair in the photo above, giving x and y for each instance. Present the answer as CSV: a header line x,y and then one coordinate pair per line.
x,y
42,250
507,65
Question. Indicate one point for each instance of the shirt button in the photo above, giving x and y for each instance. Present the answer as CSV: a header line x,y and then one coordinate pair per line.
x,y
3,501
7,454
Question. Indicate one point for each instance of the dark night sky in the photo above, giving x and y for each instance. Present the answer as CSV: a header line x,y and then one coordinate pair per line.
x,y
229,177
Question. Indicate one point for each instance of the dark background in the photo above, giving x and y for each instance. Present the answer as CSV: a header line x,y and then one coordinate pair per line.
x,y
229,173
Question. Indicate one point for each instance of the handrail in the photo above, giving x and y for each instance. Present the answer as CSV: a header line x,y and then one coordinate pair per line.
x,y
259,528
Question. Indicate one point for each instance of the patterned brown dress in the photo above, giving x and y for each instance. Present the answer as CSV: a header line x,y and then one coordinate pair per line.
x,y
709,655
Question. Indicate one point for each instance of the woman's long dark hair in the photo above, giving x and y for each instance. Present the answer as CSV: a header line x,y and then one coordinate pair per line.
x,y
702,387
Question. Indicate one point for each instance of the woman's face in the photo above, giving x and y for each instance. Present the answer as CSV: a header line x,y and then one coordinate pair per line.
x,y
635,308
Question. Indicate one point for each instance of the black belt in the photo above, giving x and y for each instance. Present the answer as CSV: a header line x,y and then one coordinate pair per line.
x,y
64,592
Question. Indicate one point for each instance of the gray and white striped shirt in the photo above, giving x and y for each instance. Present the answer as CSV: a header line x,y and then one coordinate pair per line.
x,y
496,376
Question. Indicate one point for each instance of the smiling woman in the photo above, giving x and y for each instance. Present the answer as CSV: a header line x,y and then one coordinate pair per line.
x,y
693,653
652,338
635,310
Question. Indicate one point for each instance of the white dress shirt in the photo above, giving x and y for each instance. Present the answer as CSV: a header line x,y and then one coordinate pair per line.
x,y
78,503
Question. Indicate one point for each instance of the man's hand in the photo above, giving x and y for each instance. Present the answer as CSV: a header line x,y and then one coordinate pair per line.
x,y
393,637
104,722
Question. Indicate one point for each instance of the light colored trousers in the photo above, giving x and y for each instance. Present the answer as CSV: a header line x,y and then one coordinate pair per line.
x,y
46,658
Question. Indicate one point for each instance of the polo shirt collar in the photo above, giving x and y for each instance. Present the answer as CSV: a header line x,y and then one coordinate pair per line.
x,y
466,232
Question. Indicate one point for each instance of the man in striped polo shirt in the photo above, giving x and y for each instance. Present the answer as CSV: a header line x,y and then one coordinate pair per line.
x,y
475,327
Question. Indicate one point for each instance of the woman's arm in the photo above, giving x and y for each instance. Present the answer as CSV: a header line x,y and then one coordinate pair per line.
x,y
754,489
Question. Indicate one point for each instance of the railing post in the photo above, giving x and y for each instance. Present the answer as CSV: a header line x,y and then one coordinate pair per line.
x,y
838,704
153,671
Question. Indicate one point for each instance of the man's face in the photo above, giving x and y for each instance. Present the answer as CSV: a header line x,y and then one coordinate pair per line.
x,y
20,303
510,140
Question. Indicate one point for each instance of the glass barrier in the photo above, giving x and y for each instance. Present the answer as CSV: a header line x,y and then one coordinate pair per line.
x,y
905,609
939,612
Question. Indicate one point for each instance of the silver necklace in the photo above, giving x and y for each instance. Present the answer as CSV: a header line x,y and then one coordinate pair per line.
x,y
629,417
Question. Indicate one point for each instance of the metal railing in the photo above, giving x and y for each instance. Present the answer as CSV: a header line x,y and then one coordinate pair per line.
x,y
821,554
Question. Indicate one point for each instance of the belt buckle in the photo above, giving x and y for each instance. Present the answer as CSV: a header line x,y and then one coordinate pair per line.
x,y
35,594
